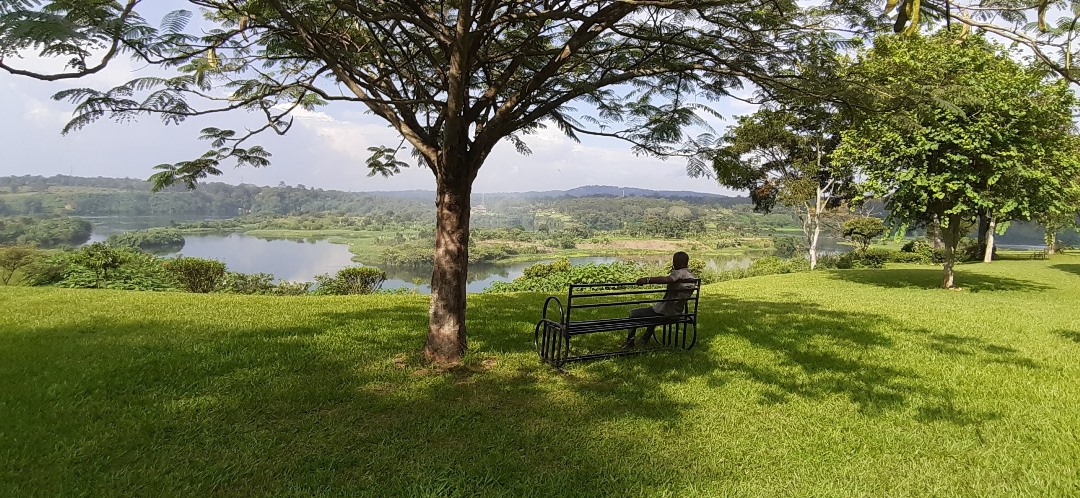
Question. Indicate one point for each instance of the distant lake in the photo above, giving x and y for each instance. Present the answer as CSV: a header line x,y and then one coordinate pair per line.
x,y
300,261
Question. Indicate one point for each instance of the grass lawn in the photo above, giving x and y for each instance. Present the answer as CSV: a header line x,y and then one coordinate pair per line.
x,y
833,383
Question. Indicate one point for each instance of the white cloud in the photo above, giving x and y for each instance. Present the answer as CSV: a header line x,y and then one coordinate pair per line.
x,y
322,150
41,114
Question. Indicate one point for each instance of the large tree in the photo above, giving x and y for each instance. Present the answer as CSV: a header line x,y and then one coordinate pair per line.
x,y
959,129
454,78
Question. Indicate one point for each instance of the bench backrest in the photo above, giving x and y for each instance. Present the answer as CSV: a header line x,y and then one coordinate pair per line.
x,y
585,296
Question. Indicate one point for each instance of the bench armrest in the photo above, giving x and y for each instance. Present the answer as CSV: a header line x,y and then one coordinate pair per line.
x,y
562,312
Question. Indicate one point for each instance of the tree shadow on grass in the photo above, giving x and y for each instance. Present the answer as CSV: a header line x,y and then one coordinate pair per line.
x,y
815,353
977,348
919,278
324,403
1071,268
1071,335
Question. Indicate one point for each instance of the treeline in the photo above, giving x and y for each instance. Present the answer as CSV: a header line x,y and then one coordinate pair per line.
x,y
44,232
672,217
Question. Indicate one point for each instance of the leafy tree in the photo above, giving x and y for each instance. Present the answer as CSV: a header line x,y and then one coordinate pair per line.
x,y
453,78
782,153
864,230
959,128
351,280
196,274
13,258
101,259
1060,216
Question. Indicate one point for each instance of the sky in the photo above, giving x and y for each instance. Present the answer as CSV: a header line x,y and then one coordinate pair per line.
x,y
324,149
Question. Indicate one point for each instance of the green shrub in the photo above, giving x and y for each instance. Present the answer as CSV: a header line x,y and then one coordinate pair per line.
x,y
99,266
287,288
49,269
920,247
909,257
788,247
541,270
196,274
557,276
350,280
772,265
101,259
244,283
855,259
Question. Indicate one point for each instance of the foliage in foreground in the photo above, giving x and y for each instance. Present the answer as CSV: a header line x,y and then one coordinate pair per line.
x,y
826,383
105,267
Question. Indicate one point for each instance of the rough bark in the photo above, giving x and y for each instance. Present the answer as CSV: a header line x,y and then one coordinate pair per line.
x,y
988,241
446,339
1051,241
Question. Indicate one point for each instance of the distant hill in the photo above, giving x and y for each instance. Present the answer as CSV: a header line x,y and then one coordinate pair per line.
x,y
585,191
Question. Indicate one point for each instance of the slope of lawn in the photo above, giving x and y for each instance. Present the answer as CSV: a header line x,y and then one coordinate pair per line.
x,y
859,382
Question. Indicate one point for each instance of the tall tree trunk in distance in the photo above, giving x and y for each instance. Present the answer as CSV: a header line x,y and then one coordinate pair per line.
x,y
988,252
951,236
933,232
1051,240
808,234
984,227
446,339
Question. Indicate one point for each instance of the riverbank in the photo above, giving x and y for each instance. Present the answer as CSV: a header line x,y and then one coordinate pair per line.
x,y
839,383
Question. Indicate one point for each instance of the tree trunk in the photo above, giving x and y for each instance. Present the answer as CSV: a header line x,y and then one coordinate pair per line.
x,y
951,236
985,227
988,251
809,235
933,233
446,339
1051,241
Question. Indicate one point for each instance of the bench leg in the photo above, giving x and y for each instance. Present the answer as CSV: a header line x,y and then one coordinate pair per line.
x,y
551,344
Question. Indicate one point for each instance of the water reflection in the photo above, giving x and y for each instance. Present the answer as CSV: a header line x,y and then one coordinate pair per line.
x,y
302,259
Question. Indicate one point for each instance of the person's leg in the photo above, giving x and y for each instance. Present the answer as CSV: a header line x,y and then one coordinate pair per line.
x,y
640,313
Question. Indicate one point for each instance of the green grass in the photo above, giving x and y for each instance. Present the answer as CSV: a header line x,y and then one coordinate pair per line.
x,y
858,382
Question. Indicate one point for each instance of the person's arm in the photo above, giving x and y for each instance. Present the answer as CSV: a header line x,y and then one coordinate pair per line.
x,y
666,279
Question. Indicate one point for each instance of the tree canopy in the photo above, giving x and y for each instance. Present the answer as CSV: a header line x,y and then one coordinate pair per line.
x,y
452,78
960,128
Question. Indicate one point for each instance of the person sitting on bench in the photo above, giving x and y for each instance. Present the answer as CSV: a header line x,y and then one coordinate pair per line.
x,y
674,298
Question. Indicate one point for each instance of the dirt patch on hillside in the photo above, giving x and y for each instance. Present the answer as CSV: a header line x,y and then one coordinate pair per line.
x,y
647,245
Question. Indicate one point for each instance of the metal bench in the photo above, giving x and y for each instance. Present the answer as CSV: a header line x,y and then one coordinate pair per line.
x,y
590,308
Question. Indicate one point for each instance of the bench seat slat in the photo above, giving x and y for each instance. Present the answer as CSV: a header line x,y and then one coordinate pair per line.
x,y
611,324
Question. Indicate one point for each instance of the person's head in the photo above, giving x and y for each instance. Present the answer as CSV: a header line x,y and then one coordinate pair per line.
x,y
680,260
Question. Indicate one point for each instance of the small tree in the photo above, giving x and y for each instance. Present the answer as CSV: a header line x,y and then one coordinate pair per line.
x,y
863,230
13,258
101,259
351,280
196,274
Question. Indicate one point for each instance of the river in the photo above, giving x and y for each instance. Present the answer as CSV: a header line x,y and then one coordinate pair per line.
x,y
295,260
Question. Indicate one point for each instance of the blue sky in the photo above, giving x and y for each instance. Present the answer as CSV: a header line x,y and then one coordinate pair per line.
x,y
324,149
